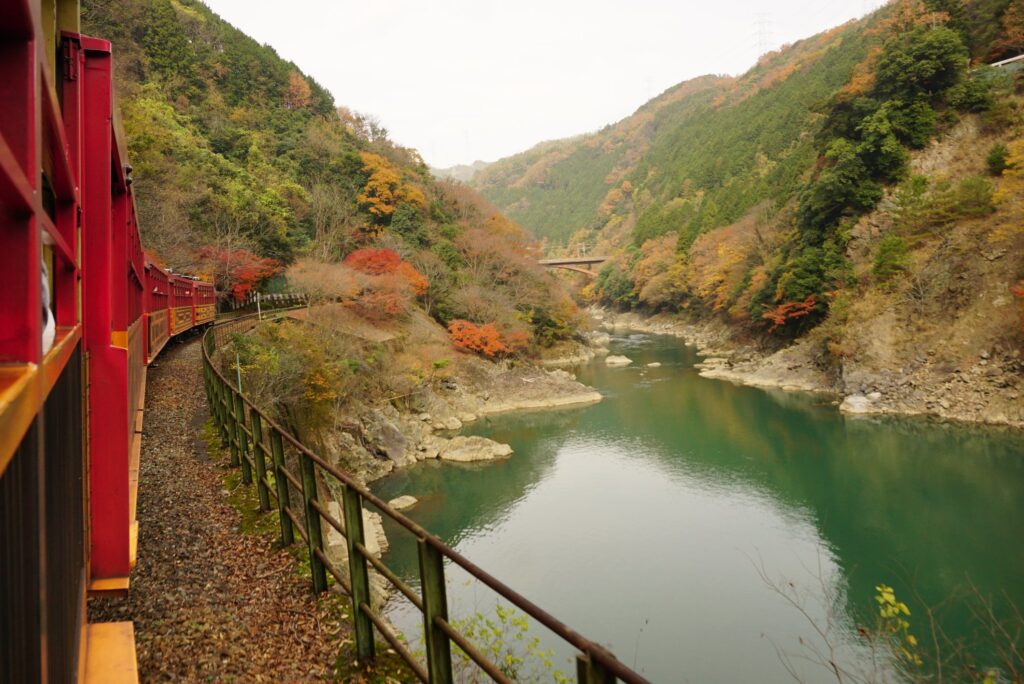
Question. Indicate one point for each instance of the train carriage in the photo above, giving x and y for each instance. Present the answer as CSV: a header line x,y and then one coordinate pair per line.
x,y
182,304
157,301
205,303
82,312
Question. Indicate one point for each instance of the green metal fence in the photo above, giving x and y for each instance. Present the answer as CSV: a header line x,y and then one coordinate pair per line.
x,y
258,446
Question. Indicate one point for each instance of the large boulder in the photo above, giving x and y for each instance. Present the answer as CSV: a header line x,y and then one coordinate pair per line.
x,y
468,449
403,502
387,438
858,403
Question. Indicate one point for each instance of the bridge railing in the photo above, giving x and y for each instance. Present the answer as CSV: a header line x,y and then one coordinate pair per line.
x,y
258,445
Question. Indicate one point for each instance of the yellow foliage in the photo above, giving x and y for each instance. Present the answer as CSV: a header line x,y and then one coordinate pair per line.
x,y
718,262
659,275
384,190
1010,193
612,198
299,94
907,15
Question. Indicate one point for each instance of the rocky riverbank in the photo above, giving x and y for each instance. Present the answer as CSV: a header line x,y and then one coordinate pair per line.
x,y
374,440
987,387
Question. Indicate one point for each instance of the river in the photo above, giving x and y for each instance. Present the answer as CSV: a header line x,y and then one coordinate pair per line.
x,y
668,521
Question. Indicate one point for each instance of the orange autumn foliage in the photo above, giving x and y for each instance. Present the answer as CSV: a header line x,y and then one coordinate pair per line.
x,y
373,261
486,339
299,94
789,311
417,281
1018,292
378,262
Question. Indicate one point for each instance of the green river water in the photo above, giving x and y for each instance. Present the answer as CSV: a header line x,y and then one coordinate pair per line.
x,y
650,521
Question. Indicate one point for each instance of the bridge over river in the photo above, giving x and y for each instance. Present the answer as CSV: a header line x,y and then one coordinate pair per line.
x,y
578,264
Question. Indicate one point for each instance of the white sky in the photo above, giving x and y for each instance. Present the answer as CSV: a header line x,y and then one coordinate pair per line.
x,y
461,80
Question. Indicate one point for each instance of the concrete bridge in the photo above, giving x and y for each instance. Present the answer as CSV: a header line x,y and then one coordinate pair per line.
x,y
578,264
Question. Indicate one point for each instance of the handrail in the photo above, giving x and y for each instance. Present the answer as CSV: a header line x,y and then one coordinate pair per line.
x,y
230,408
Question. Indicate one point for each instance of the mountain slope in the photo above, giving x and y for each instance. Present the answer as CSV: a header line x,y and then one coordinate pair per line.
x,y
857,191
734,140
244,164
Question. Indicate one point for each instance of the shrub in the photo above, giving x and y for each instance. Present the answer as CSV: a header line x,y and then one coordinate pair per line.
x,y
381,262
486,339
373,261
973,197
381,298
996,159
971,95
912,205
891,259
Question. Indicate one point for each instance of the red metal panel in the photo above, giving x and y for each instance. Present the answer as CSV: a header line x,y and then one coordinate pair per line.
x,y
104,257
182,306
20,324
66,280
157,304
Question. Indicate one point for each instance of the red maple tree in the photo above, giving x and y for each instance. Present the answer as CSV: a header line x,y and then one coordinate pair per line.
x,y
374,261
378,262
237,271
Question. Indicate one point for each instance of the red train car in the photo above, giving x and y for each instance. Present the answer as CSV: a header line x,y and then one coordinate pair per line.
x,y
205,303
157,302
182,304
82,312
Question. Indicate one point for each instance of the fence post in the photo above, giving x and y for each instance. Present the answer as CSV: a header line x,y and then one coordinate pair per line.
x,y
313,531
283,495
435,605
225,438
589,671
207,386
358,575
243,446
230,408
259,455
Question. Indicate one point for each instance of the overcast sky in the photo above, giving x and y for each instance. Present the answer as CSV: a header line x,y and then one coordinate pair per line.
x,y
462,80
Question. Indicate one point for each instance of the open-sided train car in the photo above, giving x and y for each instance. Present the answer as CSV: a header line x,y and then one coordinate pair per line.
x,y
182,304
205,303
158,294
82,311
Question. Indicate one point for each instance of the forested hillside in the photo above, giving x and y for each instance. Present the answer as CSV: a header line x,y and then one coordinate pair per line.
x,y
243,165
740,196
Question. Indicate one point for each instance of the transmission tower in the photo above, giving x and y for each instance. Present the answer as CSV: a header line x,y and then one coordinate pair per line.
x,y
762,32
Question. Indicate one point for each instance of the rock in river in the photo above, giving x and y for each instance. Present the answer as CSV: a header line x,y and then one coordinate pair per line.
x,y
403,502
614,360
466,449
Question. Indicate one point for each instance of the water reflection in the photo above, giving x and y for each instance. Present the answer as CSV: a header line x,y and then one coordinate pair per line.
x,y
640,520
